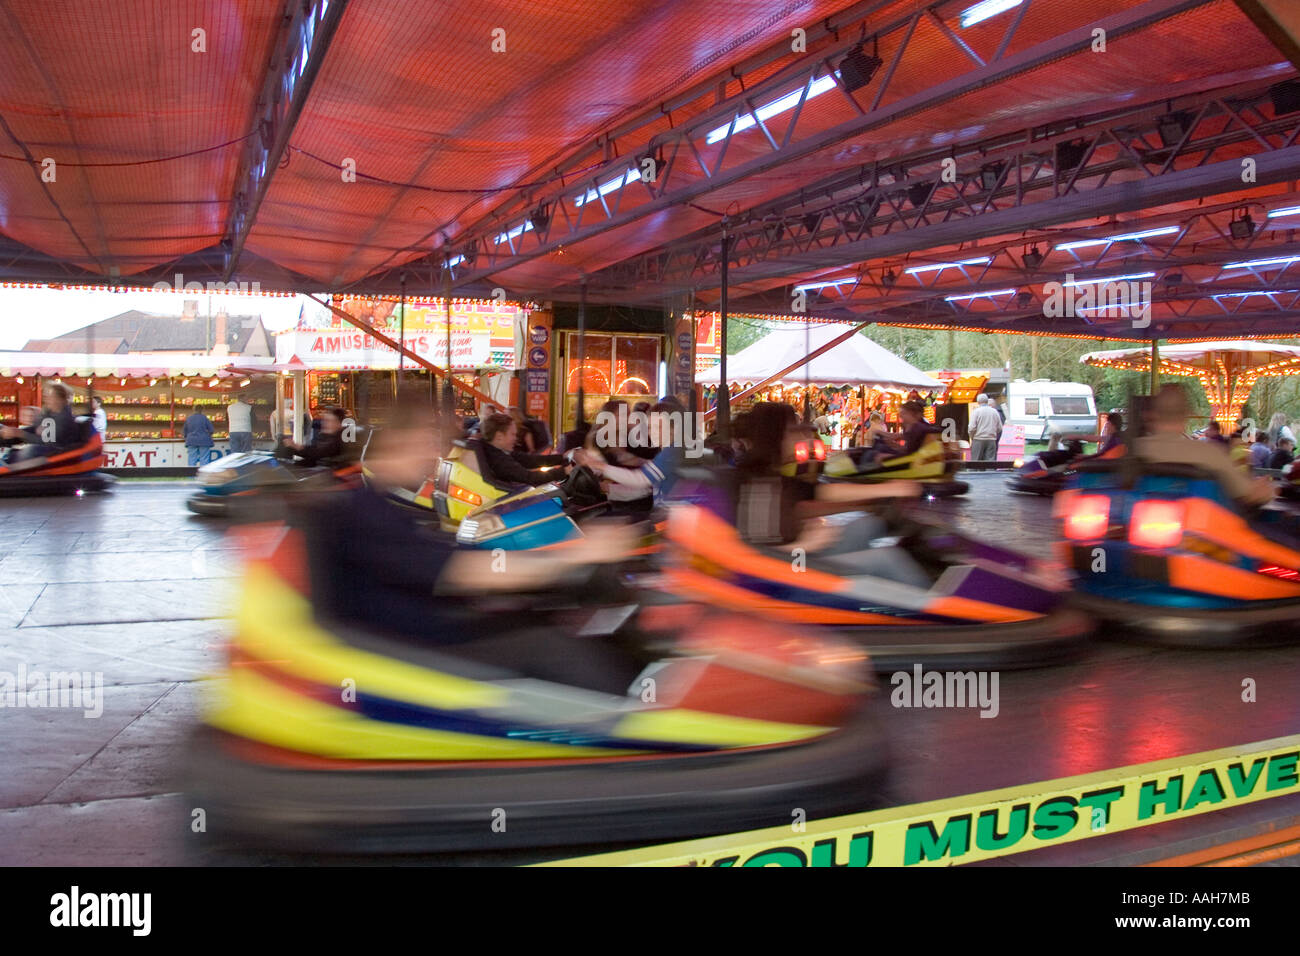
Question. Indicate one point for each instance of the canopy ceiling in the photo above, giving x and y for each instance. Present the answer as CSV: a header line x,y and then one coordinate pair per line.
x,y
135,147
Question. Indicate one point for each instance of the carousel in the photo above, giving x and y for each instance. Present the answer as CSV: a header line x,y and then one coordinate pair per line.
x,y
1226,370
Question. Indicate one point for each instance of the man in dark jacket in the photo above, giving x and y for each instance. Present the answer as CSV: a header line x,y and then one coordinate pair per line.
x,y
54,431
1283,455
499,434
198,437
915,428
326,443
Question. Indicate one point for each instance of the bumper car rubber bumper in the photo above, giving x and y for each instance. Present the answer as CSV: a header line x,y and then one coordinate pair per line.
x,y
32,486
359,811
1035,486
1270,624
1051,639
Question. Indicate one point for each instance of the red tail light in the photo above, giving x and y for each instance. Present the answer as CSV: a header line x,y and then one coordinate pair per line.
x,y
1273,571
801,452
1088,517
1156,524
819,449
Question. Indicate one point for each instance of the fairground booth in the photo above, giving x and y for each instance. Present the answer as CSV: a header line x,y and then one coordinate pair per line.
x,y
146,398
847,374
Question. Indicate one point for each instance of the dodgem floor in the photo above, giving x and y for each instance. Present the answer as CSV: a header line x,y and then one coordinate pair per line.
x,y
126,594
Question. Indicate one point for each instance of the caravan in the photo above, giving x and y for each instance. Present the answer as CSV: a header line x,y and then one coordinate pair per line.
x,y
1043,407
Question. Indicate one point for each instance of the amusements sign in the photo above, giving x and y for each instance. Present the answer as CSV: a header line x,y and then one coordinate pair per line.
x,y
537,374
482,335
999,822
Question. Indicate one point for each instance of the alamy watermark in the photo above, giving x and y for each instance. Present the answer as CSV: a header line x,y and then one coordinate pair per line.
x,y
180,285
634,429
1107,299
917,688
53,689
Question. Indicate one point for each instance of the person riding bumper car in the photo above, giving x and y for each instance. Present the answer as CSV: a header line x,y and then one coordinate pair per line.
x,y
852,559
1171,543
255,486
70,469
608,724
1161,551
466,478
924,458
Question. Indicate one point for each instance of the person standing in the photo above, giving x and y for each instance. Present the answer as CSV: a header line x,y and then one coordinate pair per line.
x,y
985,430
198,436
239,415
99,417
1278,429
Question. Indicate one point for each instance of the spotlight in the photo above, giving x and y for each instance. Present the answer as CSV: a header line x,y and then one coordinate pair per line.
x,y
858,67
1173,278
1285,96
540,218
811,221
991,175
1242,228
1033,257
888,278
1024,297
918,194
1173,128
470,253
1070,154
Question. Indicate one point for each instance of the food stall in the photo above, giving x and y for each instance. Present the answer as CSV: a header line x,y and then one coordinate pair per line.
x,y
146,397
842,382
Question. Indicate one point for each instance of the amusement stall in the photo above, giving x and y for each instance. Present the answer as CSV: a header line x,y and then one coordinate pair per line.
x,y
839,387
146,398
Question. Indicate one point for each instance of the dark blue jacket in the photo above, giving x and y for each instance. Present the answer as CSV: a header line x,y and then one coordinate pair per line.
x,y
198,430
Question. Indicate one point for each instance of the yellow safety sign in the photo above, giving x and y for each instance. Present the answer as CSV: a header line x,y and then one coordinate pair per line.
x,y
981,826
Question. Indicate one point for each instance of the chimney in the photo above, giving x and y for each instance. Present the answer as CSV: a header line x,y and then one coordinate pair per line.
x,y
191,310
219,344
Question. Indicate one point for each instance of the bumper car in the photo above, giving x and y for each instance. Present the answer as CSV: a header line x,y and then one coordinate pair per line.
x,y
1161,552
618,725
550,516
904,590
930,464
461,484
1048,472
251,486
72,472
